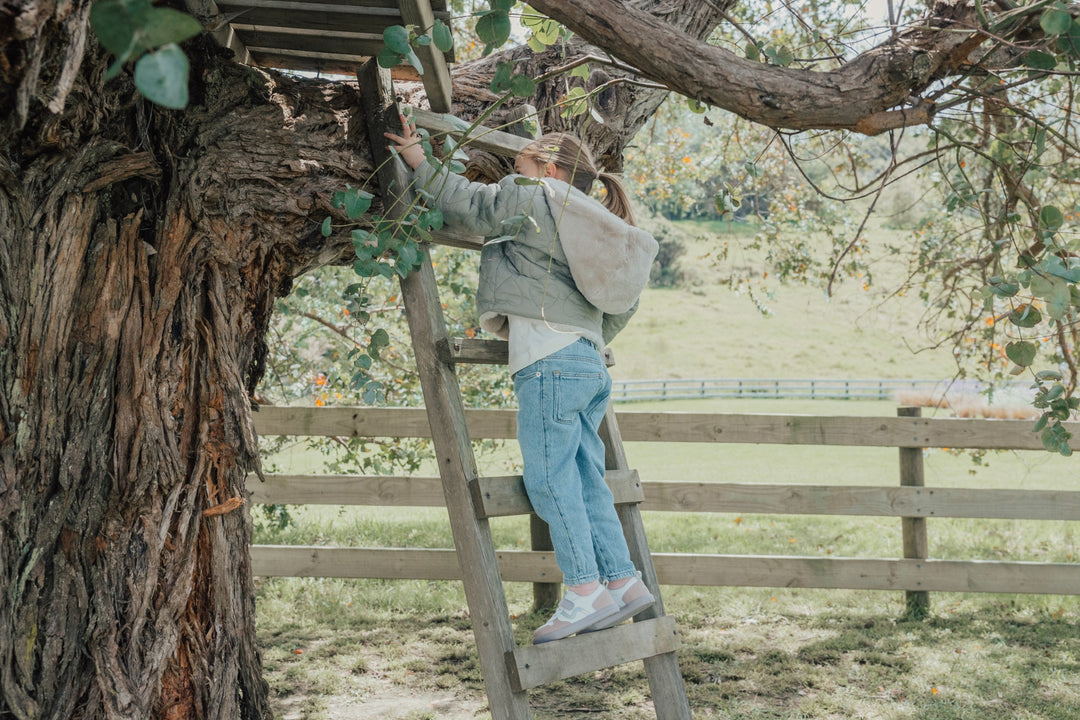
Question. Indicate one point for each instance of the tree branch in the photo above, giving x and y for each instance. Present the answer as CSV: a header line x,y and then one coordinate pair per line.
x,y
866,95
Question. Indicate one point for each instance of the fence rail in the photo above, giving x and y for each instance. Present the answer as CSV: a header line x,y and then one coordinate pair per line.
x,y
814,389
912,502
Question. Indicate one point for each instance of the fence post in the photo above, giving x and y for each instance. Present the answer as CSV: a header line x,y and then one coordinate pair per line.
x,y
916,546
545,595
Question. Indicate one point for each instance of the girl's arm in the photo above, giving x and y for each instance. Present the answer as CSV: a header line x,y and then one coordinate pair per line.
x,y
474,207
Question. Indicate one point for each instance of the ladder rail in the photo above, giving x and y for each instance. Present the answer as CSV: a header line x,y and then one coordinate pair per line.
x,y
446,413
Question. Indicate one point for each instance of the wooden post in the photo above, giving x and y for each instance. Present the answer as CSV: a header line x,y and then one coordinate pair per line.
x,y
446,417
916,546
665,677
545,595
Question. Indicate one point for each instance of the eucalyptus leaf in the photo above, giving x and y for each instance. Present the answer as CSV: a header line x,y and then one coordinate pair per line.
x,y
357,202
1051,218
696,106
522,180
1022,353
112,25
582,71
423,40
435,218
162,77
442,37
752,52
326,229
1039,60
503,77
415,62
493,29
396,37
523,86
1025,316
1055,20
387,58
165,25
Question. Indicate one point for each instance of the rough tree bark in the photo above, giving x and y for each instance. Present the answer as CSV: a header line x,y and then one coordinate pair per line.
x,y
140,254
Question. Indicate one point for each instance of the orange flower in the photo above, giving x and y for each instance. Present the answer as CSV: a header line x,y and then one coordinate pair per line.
x,y
470,332
320,379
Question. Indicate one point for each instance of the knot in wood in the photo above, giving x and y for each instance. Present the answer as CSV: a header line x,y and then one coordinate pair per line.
x,y
769,101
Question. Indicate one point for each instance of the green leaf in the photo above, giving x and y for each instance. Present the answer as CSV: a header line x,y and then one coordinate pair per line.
x,y
363,242
582,71
1070,41
337,200
493,29
396,38
577,102
357,202
379,339
1039,60
415,62
522,180
442,37
1041,422
1025,316
1055,20
784,57
117,66
326,228
435,218
407,256
752,52
727,200
753,170
503,77
1022,353
165,25
535,45
1002,288
1051,218
112,25
162,77
423,40
387,58
523,86
1048,375
695,106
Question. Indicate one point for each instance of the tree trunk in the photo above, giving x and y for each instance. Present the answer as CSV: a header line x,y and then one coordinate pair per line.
x,y
140,254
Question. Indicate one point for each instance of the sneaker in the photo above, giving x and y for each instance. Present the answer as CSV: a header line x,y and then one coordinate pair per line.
x,y
576,613
632,598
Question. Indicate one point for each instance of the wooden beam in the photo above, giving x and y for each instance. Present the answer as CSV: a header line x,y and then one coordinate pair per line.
x,y
480,352
300,14
683,569
482,138
209,15
436,73
681,427
536,665
718,497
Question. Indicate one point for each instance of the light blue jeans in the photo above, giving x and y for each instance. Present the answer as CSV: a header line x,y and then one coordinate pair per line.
x,y
561,401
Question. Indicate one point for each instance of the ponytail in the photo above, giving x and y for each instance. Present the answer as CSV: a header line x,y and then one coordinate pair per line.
x,y
568,153
615,198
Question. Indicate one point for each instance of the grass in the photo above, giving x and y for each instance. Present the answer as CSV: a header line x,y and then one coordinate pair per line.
x,y
403,650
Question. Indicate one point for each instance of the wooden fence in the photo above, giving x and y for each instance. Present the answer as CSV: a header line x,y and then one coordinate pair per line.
x,y
802,389
909,500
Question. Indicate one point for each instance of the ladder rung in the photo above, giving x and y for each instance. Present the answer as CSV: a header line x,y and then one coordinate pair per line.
x,y
482,352
537,665
466,350
501,496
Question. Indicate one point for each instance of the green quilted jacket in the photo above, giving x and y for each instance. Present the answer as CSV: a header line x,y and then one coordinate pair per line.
x,y
550,251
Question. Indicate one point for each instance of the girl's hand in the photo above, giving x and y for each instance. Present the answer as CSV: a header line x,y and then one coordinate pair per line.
x,y
408,144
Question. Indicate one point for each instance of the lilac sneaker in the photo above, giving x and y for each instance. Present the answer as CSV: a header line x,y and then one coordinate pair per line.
x,y
632,598
576,613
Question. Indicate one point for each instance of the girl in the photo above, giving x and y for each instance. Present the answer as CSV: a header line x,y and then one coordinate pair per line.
x,y
560,275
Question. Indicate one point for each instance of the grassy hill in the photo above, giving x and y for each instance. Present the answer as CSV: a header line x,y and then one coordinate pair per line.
x,y
704,328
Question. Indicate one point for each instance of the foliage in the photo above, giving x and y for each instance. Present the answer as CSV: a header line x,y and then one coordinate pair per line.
x,y
136,31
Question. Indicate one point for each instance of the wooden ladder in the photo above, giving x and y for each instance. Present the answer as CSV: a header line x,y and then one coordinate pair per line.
x,y
510,671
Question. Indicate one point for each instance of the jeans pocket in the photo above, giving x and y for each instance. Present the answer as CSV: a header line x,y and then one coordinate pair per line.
x,y
574,393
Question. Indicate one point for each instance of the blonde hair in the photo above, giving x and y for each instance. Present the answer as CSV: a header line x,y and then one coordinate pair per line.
x,y
569,154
